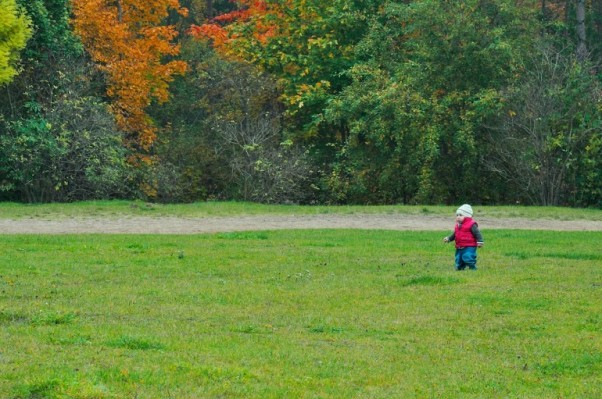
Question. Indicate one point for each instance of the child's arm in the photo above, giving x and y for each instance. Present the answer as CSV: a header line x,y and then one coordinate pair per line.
x,y
477,235
449,238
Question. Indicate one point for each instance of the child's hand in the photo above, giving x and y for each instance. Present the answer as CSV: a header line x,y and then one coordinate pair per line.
x,y
446,240
480,244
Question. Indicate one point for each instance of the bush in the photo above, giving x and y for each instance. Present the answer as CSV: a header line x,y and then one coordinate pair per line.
x,y
71,152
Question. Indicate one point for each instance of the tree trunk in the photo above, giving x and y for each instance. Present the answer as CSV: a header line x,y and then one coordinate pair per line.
x,y
598,18
582,53
119,11
209,9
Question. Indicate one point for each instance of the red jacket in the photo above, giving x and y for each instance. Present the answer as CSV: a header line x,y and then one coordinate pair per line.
x,y
463,234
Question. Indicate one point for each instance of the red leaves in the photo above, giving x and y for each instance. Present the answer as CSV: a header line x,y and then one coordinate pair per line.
x,y
255,13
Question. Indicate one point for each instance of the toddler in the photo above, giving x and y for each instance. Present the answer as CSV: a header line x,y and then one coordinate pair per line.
x,y
467,237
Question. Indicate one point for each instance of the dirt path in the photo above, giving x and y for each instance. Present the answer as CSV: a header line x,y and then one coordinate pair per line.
x,y
168,225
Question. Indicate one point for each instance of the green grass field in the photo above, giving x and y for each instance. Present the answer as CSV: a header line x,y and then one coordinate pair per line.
x,y
207,209
300,314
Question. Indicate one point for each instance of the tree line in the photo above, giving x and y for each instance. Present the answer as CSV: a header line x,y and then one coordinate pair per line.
x,y
302,101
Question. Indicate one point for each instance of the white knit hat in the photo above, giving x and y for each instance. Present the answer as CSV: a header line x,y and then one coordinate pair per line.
x,y
465,210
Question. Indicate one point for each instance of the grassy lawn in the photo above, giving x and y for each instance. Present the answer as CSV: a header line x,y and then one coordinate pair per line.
x,y
208,209
300,314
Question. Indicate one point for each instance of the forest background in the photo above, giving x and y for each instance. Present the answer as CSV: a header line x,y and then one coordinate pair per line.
x,y
302,101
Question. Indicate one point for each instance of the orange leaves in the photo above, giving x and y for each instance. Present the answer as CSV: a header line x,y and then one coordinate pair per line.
x,y
216,33
127,40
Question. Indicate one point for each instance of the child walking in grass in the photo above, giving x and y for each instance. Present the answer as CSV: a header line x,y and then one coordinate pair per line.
x,y
467,237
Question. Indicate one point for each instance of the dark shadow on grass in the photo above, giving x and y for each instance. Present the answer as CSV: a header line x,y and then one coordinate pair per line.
x,y
554,255
243,236
430,280
8,317
128,342
581,364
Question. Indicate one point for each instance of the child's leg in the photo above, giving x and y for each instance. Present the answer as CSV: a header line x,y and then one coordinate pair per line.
x,y
469,257
459,262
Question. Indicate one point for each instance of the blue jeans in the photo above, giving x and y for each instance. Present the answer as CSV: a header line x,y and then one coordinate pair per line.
x,y
466,257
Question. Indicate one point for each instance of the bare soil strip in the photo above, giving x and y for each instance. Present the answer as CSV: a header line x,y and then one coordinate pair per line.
x,y
168,225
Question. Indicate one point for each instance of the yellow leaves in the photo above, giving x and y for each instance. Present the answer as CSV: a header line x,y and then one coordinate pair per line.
x,y
15,30
306,92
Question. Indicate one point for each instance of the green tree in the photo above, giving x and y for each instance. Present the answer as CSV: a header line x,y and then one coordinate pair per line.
x,y
58,142
72,153
588,190
14,32
222,135
48,61
546,138
189,168
388,96
306,45
428,73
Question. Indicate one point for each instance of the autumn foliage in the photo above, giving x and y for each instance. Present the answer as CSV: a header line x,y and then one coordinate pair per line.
x,y
127,40
306,44
262,15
